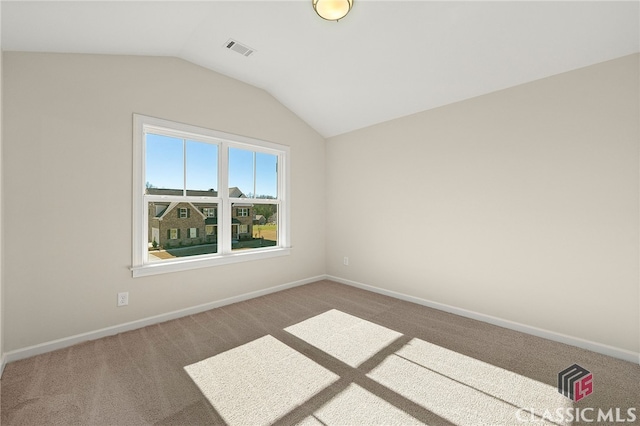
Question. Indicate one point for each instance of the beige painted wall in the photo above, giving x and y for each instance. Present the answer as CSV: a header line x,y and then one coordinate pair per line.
x,y
521,204
68,185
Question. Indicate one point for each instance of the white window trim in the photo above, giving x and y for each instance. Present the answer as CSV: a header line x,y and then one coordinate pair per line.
x,y
140,266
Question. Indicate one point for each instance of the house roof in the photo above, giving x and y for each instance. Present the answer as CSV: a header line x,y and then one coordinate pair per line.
x,y
234,192
384,60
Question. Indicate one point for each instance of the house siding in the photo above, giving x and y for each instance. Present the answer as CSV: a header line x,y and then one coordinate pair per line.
x,y
196,219
172,220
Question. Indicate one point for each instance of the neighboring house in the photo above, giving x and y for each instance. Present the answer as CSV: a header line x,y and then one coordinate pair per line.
x,y
259,220
179,224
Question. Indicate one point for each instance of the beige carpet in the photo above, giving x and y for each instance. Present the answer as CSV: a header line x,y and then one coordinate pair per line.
x,y
320,354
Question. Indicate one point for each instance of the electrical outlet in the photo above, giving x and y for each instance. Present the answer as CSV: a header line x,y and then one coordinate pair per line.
x,y
346,261
123,299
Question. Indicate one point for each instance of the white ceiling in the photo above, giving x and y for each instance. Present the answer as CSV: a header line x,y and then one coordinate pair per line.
x,y
385,60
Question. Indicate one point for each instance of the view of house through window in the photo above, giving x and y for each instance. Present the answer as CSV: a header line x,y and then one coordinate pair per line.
x,y
173,235
257,226
187,212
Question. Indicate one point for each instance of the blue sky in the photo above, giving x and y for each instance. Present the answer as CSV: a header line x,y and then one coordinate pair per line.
x,y
165,166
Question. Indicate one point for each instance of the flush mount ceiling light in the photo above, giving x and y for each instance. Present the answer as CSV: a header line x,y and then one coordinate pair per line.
x,y
332,10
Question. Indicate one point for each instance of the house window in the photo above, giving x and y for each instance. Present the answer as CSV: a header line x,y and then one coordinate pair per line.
x,y
209,180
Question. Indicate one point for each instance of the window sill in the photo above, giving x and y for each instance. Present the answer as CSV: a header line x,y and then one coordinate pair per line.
x,y
205,262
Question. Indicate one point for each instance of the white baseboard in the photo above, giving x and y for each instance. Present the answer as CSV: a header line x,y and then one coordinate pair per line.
x,y
133,325
539,332
110,331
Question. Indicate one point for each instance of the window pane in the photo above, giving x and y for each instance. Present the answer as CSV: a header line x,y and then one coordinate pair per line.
x,y
184,190
181,229
254,226
266,175
241,171
210,211
202,169
164,162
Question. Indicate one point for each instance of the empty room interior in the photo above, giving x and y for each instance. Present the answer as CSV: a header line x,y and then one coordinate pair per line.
x,y
320,212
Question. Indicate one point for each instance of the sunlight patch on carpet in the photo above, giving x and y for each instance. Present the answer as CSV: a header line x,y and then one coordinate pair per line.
x,y
350,339
357,406
462,389
264,380
259,382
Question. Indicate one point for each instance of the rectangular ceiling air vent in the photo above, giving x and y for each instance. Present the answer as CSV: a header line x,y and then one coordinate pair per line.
x,y
239,48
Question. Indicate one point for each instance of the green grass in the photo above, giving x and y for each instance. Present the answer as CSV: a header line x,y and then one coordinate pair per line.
x,y
268,233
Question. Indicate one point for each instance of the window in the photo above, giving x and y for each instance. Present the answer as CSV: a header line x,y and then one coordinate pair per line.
x,y
210,184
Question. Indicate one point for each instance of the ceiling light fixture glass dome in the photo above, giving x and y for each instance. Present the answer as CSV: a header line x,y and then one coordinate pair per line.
x,y
332,10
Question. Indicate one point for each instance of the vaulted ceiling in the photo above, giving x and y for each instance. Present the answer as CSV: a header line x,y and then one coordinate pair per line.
x,y
385,60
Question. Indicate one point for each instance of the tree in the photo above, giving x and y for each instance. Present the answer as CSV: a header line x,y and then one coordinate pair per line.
x,y
266,210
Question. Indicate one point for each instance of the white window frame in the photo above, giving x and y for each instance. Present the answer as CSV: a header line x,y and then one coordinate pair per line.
x,y
186,213
243,211
140,263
